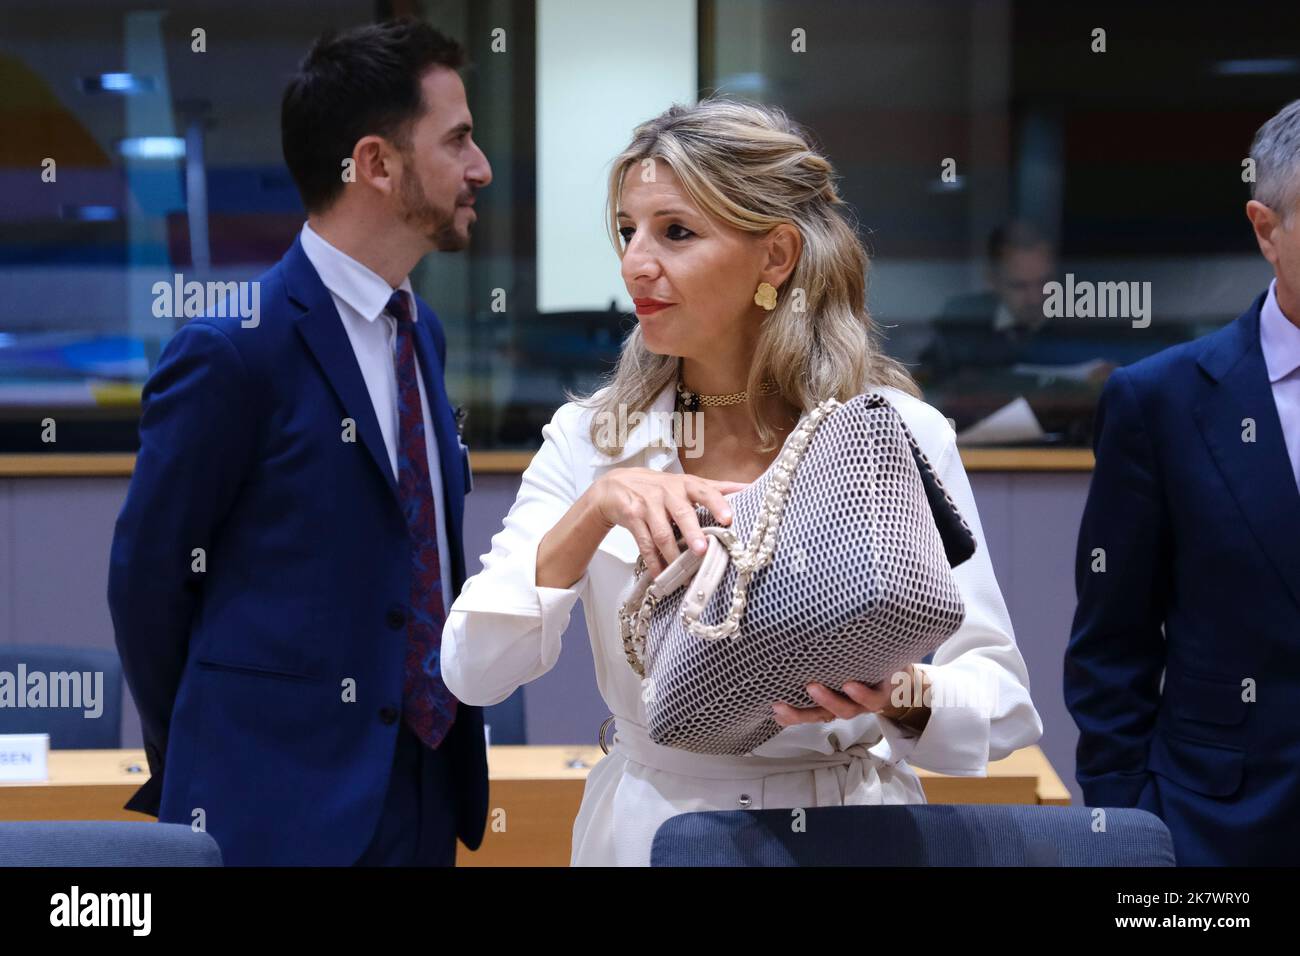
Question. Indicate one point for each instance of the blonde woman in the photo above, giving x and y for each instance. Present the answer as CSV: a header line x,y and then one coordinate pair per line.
x,y
749,284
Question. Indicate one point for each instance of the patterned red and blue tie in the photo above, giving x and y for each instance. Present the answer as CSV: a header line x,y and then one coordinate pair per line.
x,y
427,706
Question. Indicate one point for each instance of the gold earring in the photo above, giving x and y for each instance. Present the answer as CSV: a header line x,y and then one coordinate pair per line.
x,y
765,296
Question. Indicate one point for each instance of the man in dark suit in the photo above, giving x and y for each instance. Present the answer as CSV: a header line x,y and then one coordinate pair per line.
x,y
291,540
1189,563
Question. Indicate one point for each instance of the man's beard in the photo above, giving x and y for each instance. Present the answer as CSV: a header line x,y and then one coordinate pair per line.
x,y
421,214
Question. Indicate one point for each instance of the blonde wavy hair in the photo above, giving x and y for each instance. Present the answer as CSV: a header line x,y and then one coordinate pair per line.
x,y
750,167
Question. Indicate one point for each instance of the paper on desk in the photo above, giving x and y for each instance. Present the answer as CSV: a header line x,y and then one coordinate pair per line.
x,y
1012,423
1079,372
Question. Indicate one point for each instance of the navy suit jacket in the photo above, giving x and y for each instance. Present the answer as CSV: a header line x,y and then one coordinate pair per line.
x,y
241,666
1199,530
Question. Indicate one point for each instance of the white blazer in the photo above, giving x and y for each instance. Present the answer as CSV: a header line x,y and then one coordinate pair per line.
x,y
503,631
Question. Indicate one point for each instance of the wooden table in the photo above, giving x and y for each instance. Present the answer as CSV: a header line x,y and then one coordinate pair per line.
x,y
538,790
122,464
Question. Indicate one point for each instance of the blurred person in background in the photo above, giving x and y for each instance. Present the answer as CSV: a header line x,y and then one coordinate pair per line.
x,y
994,328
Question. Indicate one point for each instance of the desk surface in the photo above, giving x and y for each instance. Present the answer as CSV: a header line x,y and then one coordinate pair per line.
x,y
514,462
128,769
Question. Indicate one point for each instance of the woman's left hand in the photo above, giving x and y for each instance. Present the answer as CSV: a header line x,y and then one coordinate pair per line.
x,y
858,698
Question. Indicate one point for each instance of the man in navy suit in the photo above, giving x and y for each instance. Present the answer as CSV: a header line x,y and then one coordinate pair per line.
x,y
1189,563
291,540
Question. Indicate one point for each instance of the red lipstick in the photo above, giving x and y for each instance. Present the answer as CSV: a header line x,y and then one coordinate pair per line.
x,y
650,306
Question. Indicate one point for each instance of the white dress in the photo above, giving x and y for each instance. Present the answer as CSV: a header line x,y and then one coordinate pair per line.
x,y
503,631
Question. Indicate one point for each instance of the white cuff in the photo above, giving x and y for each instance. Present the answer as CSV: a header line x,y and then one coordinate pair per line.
x,y
955,740
511,588
504,631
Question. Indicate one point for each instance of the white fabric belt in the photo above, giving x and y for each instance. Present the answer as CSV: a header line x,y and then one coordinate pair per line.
x,y
858,784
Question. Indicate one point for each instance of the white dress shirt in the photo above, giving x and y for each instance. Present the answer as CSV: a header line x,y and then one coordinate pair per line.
x,y
504,631
361,297
1279,338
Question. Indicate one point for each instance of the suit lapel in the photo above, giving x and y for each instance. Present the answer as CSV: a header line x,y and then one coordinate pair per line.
x,y
322,330
1258,473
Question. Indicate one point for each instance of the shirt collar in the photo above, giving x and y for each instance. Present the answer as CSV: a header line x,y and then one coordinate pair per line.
x,y
653,428
1279,338
363,290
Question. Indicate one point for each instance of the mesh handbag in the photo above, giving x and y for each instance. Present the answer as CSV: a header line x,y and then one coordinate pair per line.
x,y
836,567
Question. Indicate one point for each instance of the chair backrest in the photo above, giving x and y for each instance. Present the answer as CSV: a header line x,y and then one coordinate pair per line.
x,y
63,671
105,843
915,835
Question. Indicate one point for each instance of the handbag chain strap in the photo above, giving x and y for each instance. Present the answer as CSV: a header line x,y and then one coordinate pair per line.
x,y
749,558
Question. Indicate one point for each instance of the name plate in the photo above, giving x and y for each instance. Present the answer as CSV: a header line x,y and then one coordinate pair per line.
x,y
24,758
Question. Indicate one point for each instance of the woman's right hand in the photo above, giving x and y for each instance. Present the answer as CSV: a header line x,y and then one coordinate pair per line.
x,y
647,502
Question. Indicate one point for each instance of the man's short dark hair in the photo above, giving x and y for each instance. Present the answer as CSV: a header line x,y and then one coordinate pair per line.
x,y
360,83
1018,235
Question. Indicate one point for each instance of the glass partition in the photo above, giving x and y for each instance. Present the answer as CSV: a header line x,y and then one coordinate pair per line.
x,y
1048,192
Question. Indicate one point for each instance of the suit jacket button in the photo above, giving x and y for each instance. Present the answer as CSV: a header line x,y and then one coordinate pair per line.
x,y
388,715
396,617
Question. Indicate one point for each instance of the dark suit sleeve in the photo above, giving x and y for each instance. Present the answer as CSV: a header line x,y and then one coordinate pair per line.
x,y
196,438
1117,650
